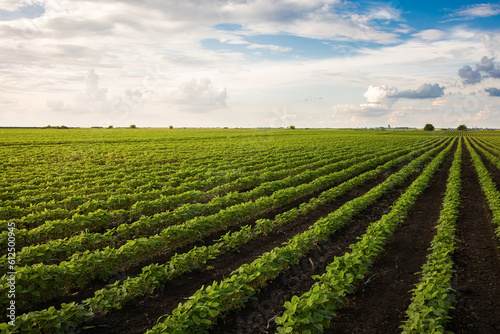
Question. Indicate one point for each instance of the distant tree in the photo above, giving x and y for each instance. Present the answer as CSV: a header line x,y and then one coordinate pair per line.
x,y
428,127
292,127
462,127
132,126
170,127
110,127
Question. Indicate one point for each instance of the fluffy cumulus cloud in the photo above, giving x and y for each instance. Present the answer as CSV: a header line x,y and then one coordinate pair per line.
x,y
469,76
492,91
383,94
483,70
199,96
425,91
149,58
481,115
93,99
380,100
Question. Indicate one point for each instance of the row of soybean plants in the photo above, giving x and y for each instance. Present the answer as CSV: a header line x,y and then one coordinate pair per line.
x,y
41,282
138,178
153,275
122,181
286,194
134,206
433,296
54,229
172,210
313,310
488,185
202,309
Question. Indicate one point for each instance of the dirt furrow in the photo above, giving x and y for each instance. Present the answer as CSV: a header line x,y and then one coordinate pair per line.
x,y
379,304
144,313
258,316
80,295
476,260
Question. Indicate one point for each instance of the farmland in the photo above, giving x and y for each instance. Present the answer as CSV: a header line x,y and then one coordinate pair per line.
x,y
249,231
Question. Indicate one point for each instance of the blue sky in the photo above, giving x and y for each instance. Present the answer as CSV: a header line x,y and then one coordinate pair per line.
x,y
250,63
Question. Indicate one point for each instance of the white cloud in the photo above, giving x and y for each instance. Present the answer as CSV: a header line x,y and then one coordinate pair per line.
x,y
379,94
92,100
148,58
478,10
10,5
378,103
483,115
95,100
431,34
199,96
273,48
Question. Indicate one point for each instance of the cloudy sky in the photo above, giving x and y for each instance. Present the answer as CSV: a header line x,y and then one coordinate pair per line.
x,y
249,63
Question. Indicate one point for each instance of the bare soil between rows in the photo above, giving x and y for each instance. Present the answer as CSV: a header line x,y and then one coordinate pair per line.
x,y
379,304
370,305
476,259
144,313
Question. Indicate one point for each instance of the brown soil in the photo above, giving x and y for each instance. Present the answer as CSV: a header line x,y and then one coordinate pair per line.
x,y
88,292
379,304
476,259
259,316
145,312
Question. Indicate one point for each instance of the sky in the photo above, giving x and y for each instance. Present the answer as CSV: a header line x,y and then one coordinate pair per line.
x,y
250,63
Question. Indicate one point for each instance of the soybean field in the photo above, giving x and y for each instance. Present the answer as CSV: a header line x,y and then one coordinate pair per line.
x,y
249,231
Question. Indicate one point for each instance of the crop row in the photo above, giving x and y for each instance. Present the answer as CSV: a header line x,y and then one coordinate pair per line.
x,y
203,308
42,282
151,159
485,150
312,311
139,186
433,295
488,187
181,184
145,226
185,193
153,276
